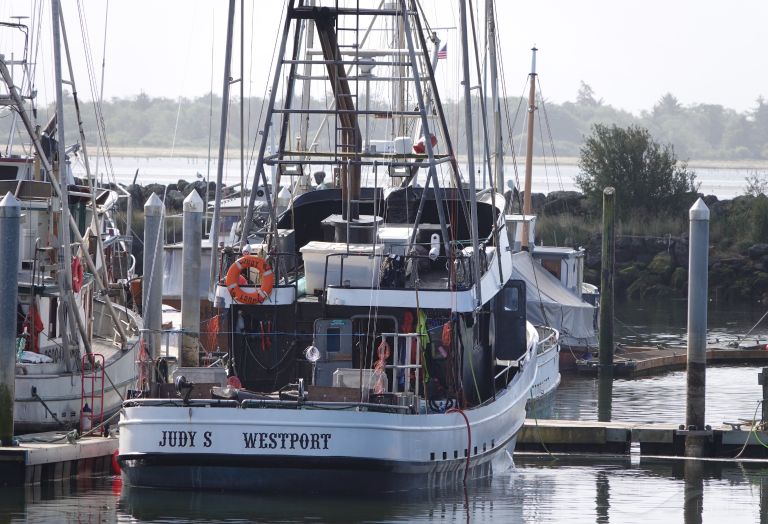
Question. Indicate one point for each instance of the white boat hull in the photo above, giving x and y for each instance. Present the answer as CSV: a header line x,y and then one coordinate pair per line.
x,y
208,447
48,398
548,375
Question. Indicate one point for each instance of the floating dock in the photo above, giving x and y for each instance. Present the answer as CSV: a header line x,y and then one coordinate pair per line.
x,y
49,457
638,361
573,436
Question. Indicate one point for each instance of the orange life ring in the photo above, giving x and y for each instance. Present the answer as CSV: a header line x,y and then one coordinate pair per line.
x,y
261,293
77,274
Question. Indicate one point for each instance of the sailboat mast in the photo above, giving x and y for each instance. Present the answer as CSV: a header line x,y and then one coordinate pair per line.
x,y
527,208
498,153
65,276
222,145
470,150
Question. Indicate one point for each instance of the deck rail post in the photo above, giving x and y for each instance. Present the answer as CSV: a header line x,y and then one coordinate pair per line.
x,y
762,379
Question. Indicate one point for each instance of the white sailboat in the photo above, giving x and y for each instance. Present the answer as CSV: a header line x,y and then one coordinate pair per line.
x,y
384,344
77,344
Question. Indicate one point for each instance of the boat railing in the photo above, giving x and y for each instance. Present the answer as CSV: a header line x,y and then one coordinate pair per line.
x,y
517,363
552,339
410,354
263,403
284,264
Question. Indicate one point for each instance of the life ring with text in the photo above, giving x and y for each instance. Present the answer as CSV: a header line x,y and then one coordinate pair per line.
x,y
261,293
77,275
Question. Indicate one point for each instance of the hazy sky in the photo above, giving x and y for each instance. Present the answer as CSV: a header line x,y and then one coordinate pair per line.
x,y
631,53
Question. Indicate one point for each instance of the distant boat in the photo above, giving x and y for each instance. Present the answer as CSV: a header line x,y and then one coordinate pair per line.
x,y
77,341
558,296
378,337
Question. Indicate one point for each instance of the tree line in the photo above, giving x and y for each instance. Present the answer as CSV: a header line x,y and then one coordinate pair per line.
x,y
696,131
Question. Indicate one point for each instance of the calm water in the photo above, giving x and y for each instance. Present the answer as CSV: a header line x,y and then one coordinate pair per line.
x,y
536,489
724,183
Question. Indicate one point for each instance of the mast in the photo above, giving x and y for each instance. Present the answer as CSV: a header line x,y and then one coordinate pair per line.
x,y
222,145
305,90
89,176
497,138
260,173
470,152
529,149
41,155
64,275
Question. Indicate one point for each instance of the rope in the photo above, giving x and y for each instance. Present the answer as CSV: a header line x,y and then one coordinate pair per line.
x,y
756,324
469,438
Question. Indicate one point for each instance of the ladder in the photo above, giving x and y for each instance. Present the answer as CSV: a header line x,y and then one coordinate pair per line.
x,y
91,391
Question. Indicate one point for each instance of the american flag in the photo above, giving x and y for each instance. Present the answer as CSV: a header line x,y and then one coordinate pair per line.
x,y
443,52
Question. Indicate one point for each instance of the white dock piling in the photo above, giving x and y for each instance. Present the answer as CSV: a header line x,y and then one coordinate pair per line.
x,y
152,281
10,222
698,258
190,280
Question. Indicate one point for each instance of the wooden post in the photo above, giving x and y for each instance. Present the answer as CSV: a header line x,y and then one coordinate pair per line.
x,y
606,281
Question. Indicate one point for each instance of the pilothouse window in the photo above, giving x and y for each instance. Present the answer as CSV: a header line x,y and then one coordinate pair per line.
x,y
511,299
333,340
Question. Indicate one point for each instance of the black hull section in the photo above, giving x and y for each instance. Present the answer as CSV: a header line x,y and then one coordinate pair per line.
x,y
281,474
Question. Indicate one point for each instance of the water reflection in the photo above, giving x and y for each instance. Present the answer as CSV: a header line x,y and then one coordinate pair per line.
x,y
694,491
648,323
604,395
732,393
538,489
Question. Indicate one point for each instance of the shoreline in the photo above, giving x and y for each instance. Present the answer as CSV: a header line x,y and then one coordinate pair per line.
x,y
198,153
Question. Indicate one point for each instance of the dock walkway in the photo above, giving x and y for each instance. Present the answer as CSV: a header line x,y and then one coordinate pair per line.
x,y
47,457
639,361
575,436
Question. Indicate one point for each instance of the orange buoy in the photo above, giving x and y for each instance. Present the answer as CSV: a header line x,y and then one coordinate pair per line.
x,y
261,292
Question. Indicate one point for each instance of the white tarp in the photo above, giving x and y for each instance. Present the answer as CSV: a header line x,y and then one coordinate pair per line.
x,y
550,303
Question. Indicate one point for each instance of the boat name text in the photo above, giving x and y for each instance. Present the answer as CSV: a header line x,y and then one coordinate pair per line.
x,y
286,440
184,439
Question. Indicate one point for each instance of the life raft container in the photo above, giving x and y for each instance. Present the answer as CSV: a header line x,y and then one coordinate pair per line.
x,y
261,293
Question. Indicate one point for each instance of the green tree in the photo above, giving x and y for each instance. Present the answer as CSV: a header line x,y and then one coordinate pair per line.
x,y
646,174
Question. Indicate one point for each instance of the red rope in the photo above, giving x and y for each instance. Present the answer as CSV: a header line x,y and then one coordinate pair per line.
x,y
469,437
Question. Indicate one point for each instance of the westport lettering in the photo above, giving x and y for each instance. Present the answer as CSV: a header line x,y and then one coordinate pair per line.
x,y
286,440
183,439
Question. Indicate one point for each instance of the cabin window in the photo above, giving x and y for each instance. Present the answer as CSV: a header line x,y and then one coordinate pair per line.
x,y
333,340
8,172
511,299
553,266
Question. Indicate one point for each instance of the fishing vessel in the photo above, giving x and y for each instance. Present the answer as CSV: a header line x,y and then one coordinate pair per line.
x,y
378,340
77,342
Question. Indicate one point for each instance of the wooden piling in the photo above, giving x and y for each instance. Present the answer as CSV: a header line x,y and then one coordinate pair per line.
x,y
606,281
